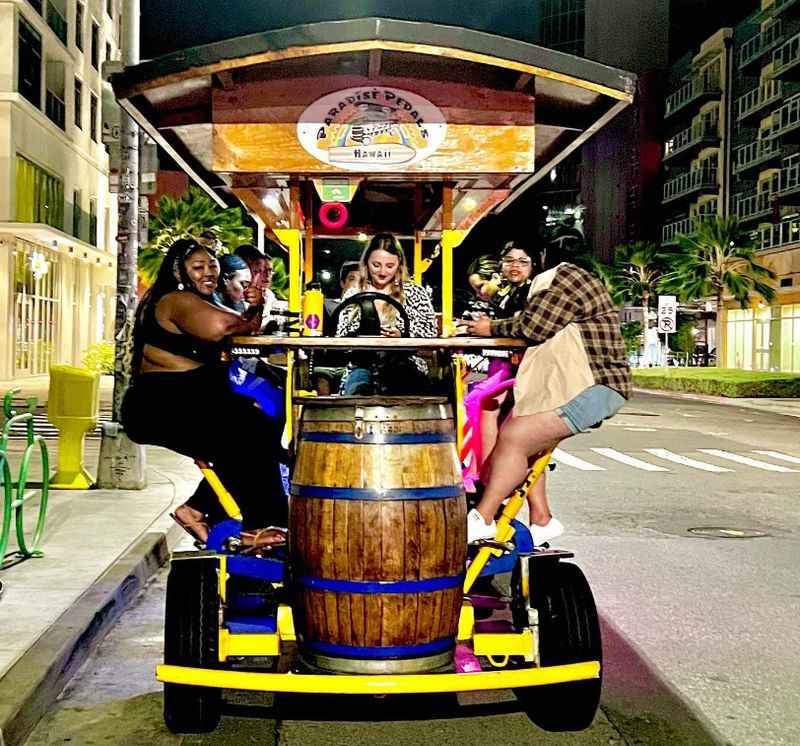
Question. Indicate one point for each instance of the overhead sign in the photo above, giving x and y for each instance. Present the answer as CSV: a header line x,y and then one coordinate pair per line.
x,y
371,128
667,313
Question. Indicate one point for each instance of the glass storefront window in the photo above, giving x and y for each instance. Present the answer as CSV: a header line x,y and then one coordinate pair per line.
x,y
739,352
790,337
36,307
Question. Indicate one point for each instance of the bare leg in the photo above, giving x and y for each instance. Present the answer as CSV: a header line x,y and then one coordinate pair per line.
x,y
519,440
537,502
489,422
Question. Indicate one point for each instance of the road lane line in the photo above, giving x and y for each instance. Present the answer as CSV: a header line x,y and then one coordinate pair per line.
x,y
569,460
779,455
676,458
623,458
739,459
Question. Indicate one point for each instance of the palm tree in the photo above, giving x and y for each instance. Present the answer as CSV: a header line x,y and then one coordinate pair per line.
x,y
634,275
718,259
189,216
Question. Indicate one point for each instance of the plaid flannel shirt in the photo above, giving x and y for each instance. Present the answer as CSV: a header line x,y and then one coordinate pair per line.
x,y
575,296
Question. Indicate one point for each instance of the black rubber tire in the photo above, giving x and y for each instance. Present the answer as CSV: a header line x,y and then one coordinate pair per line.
x,y
191,629
569,632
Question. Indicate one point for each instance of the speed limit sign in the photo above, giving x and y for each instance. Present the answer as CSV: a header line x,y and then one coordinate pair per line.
x,y
667,313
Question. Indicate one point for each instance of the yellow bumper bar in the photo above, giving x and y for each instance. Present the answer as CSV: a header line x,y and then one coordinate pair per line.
x,y
378,684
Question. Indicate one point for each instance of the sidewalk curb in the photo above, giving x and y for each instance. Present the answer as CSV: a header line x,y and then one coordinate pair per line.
x,y
724,401
35,681
632,683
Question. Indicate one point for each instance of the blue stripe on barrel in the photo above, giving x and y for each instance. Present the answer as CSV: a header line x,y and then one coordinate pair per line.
x,y
394,651
369,493
379,438
428,585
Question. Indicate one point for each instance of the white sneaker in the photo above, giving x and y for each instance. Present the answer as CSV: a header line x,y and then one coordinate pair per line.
x,y
551,530
478,529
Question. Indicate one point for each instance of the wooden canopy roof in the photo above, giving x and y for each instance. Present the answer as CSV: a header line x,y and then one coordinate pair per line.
x,y
228,113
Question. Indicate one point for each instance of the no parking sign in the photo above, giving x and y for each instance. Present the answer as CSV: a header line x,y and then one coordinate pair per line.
x,y
667,313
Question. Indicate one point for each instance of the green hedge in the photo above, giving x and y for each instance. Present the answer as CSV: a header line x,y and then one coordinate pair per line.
x,y
719,382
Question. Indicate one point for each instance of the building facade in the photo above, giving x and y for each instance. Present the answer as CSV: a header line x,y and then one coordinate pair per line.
x,y
733,148
57,218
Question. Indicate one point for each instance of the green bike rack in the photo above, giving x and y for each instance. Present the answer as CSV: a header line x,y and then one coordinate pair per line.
x,y
16,493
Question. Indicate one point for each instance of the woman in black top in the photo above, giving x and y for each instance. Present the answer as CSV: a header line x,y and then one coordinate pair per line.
x,y
181,399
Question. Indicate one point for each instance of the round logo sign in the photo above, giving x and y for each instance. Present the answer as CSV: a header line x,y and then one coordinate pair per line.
x,y
373,128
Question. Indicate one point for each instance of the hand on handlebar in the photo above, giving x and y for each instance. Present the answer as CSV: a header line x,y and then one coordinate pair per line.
x,y
478,327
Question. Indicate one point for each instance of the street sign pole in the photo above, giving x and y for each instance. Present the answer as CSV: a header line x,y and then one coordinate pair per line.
x,y
122,462
667,318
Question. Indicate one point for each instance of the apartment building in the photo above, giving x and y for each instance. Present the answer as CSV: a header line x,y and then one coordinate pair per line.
x,y
733,148
765,190
57,218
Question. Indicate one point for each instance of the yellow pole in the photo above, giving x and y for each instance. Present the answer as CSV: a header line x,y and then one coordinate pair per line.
x,y
450,239
225,498
417,257
504,528
290,238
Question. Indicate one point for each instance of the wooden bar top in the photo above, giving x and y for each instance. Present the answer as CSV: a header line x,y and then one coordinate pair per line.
x,y
376,343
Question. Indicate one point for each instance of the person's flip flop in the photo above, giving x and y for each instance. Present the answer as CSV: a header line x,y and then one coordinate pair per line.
x,y
263,538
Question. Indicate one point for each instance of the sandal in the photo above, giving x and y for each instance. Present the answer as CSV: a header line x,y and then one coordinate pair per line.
x,y
198,530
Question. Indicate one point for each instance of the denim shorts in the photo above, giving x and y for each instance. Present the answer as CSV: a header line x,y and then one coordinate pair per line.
x,y
589,408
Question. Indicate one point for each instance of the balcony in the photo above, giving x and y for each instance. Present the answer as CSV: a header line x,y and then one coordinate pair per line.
x,y
671,231
790,178
752,206
787,8
756,153
754,101
697,89
786,121
785,233
785,60
705,132
696,180
57,22
55,109
757,46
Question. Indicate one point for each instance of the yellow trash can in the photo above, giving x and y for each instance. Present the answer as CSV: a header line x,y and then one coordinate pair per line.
x,y
73,406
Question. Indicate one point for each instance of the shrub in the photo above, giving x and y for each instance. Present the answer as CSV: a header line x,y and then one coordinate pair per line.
x,y
719,382
99,357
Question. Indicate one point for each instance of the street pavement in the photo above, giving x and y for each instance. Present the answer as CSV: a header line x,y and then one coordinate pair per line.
x,y
717,617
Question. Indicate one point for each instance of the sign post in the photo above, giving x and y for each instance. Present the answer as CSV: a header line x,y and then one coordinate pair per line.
x,y
667,317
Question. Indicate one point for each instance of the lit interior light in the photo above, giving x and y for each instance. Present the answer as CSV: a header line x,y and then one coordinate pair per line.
x,y
362,236
325,274
469,204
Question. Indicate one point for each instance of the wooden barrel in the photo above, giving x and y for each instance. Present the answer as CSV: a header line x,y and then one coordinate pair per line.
x,y
377,534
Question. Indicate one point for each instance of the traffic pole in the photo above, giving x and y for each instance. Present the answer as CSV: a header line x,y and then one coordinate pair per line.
x,y
122,462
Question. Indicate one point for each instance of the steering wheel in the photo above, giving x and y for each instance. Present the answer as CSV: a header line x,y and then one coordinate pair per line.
x,y
370,323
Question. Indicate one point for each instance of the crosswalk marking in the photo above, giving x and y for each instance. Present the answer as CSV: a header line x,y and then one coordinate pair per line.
x,y
623,458
569,460
739,459
685,460
780,456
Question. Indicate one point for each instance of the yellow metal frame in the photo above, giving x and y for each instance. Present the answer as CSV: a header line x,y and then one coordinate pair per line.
x,y
504,644
262,644
378,684
225,498
504,528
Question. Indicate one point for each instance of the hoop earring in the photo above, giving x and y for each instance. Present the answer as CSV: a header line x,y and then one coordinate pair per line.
x,y
180,286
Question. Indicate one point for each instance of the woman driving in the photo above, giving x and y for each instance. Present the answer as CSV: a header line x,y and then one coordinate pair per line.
x,y
180,397
383,269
